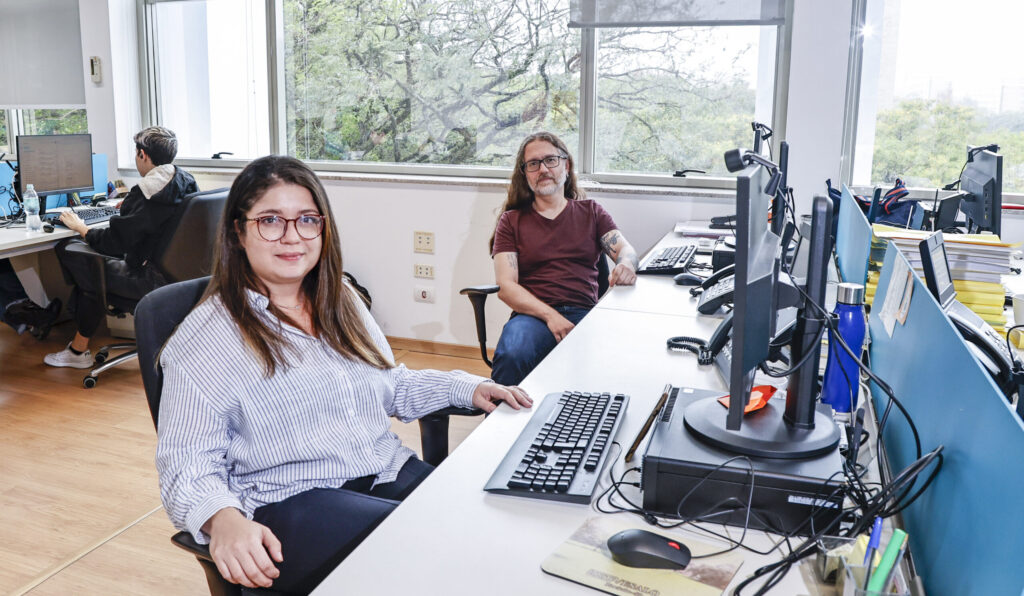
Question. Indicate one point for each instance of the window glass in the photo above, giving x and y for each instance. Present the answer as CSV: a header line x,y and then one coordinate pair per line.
x,y
5,143
433,82
939,75
54,122
211,83
670,99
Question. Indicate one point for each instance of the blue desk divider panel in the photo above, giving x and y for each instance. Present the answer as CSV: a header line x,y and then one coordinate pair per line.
x,y
967,529
99,174
853,240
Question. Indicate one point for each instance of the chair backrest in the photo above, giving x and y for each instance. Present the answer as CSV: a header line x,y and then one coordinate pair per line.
x,y
186,250
602,274
157,316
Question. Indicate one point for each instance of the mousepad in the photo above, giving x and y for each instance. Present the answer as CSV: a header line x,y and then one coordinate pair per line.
x,y
584,558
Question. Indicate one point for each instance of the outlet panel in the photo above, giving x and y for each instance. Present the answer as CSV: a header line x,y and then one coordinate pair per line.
x,y
423,242
424,271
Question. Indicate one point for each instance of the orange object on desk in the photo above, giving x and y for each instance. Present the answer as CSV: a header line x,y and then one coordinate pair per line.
x,y
759,397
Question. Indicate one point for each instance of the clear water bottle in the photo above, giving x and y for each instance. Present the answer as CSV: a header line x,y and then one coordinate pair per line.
x,y
842,375
30,202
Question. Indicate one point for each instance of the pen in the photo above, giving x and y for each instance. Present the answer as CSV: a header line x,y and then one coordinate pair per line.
x,y
888,562
869,554
647,425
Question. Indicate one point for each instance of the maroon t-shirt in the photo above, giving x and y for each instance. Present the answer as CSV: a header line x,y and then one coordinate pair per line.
x,y
557,257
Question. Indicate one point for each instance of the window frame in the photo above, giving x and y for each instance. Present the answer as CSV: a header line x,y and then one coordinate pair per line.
x,y
585,153
851,118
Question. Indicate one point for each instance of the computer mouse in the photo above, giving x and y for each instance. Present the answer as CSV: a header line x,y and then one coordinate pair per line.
x,y
640,548
47,227
688,279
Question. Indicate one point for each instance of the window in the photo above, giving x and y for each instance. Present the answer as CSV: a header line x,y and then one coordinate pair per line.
x,y
428,82
208,75
675,98
5,138
932,84
446,84
54,122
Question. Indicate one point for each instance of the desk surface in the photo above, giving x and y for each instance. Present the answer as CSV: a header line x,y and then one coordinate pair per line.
x,y
450,537
16,241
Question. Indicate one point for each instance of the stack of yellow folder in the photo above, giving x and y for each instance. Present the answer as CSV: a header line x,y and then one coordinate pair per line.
x,y
976,262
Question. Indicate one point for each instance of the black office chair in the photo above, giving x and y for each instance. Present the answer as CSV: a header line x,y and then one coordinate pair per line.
x,y
156,317
183,252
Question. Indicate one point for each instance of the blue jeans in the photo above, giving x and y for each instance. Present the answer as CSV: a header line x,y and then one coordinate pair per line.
x,y
320,527
524,342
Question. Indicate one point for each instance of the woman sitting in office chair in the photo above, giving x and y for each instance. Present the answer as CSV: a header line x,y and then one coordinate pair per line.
x,y
274,441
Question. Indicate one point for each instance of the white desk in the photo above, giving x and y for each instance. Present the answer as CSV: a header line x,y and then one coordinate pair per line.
x,y
36,268
450,537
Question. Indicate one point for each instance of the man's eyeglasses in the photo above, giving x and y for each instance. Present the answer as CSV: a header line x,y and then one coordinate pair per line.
x,y
273,227
550,161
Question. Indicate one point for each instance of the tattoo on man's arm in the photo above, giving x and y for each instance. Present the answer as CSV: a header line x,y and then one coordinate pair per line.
x,y
513,261
610,242
628,256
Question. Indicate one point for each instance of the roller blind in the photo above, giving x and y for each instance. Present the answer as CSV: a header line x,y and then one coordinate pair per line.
x,y
41,54
675,13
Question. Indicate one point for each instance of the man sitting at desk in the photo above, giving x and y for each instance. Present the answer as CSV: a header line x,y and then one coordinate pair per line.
x,y
126,244
545,250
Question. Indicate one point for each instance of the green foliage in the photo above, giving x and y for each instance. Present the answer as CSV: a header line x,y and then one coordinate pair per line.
x,y
56,122
4,142
463,81
924,142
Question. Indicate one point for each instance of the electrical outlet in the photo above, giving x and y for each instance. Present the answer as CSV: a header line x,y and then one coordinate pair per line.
x,y
424,271
424,294
423,242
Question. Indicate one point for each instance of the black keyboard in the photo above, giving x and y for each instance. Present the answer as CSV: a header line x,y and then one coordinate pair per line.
x,y
561,452
670,260
90,215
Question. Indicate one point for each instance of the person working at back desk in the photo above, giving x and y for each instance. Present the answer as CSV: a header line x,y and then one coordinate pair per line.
x,y
545,249
126,244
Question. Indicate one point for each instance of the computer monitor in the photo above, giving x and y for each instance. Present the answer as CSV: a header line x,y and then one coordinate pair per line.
x,y
800,430
55,164
982,185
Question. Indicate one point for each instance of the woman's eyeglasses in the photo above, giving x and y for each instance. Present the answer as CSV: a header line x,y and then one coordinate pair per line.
x,y
273,227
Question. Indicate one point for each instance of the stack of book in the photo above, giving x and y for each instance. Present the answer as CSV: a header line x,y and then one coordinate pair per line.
x,y
976,262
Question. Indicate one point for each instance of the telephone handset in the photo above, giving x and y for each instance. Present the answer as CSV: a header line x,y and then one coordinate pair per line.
x,y
721,335
717,290
990,350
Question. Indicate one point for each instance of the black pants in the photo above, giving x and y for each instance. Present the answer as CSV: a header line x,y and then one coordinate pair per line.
x,y
320,527
88,274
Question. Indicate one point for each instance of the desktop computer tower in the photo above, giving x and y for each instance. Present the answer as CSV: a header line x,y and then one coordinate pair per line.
x,y
787,493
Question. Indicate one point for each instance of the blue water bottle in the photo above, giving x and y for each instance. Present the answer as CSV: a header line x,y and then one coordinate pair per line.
x,y
842,375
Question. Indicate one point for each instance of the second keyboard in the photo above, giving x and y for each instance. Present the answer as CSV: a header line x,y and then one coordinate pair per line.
x,y
669,260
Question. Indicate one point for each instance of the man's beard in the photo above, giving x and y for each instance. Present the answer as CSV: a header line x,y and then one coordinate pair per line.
x,y
558,180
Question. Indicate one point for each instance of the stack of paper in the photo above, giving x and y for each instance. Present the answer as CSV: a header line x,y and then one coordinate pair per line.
x,y
976,262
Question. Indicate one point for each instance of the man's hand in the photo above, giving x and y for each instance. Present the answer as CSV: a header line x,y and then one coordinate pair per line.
x,y
622,275
242,549
487,396
559,326
70,219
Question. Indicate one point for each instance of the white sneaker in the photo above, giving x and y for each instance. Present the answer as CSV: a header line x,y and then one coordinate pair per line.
x,y
68,358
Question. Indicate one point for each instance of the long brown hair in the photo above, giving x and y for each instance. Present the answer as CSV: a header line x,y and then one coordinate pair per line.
x,y
336,318
519,192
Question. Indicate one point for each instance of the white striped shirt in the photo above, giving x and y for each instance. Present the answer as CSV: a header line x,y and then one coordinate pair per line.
x,y
229,437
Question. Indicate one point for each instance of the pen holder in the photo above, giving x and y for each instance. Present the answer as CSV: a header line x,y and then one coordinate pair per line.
x,y
851,582
832,554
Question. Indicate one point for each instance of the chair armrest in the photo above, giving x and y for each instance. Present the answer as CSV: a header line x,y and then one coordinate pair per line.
x,y
81,247
479,290
185,541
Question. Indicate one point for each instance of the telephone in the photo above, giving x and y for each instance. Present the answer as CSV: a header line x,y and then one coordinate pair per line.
x,y
715,291
989,348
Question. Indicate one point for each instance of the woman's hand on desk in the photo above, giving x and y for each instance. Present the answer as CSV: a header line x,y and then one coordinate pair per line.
x,y
242,549
488,395
73,222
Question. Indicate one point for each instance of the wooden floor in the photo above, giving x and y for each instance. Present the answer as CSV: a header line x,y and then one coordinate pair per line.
x,y
79,505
